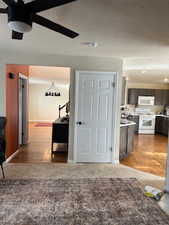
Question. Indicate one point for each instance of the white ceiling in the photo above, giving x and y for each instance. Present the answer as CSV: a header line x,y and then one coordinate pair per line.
x,y
146,70
135,30
147,76
46,74
122,28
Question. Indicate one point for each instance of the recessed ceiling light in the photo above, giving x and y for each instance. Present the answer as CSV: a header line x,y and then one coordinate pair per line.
x,y
91,44
166,80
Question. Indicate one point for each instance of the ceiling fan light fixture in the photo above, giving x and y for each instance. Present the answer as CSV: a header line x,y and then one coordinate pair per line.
x,y
19,26
22,14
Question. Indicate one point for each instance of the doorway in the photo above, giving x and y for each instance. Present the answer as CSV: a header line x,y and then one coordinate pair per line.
x,y
146,105
103,145
48,89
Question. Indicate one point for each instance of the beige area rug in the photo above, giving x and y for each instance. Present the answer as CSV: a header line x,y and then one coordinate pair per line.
x,y
94,201
76,171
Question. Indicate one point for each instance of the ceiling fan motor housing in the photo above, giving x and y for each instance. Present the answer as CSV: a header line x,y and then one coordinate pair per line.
x,y
19,19
22,14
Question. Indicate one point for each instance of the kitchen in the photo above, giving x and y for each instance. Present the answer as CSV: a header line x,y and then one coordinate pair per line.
x,y
144,123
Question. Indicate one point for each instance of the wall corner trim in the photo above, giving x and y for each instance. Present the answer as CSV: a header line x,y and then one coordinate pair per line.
x,y
71,161
12,156
115,162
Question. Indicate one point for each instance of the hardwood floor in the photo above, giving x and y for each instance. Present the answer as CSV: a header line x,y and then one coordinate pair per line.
x,y
149,155
39,147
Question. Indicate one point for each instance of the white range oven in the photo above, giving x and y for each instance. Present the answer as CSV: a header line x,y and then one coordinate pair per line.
x,y
146,124
146,120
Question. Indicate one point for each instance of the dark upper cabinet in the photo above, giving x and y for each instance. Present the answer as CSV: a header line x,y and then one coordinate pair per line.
x,y
132,96
161,96
165,97
134,93
123,91
147,92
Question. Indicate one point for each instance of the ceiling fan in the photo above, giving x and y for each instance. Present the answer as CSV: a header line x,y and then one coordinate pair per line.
x,y
21,16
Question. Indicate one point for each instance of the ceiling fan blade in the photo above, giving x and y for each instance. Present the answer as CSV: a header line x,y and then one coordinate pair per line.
x,y
17,35
9,2
3,11
13,2
20,1
39,5
54,26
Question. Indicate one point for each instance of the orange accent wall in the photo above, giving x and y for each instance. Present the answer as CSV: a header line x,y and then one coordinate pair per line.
x,y
12,106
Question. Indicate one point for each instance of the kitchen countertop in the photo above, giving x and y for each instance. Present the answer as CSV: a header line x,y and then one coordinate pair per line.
x,y
127,124
148,114
134,114
161,115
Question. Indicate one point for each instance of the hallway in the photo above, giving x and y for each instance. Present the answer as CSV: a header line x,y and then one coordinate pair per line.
x,y
39,148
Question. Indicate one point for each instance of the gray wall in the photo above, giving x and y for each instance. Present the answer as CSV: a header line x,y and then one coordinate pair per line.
x,y
2,90
75,63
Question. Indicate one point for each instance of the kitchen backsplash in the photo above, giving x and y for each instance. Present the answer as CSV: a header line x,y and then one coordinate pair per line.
x,y
154,109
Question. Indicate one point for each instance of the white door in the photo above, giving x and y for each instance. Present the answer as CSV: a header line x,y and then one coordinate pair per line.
x,y
93,116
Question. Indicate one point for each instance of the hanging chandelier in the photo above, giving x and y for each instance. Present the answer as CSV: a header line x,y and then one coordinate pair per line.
x,y
52,91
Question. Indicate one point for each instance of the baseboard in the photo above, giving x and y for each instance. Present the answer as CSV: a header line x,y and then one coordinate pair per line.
x,y
115,162
41,121
70,161
12,156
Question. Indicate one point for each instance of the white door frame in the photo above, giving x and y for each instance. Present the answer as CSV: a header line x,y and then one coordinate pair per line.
x,y
116,113
167,169
25,106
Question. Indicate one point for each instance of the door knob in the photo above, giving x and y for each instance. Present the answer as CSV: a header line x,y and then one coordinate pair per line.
x,y
80,123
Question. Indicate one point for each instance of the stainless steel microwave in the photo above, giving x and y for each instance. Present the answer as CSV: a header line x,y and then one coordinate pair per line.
x,y
146,100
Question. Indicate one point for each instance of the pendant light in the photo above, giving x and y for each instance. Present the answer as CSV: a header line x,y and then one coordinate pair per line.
x,y
52,91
